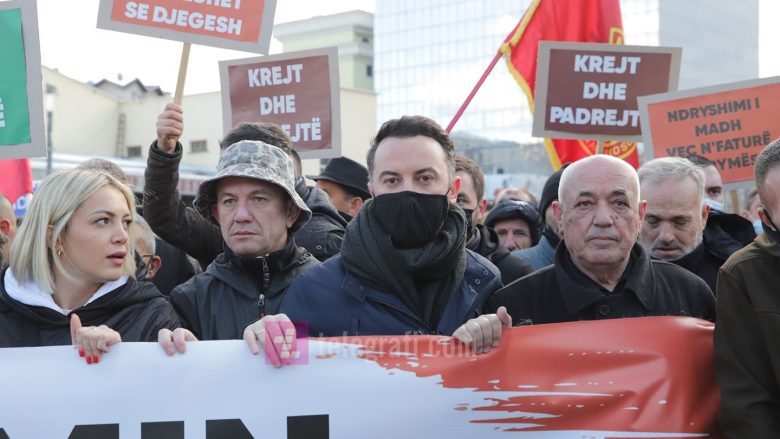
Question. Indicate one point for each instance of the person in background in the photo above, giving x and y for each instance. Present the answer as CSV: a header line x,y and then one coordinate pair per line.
x,y
7,226
752,204
673,229
600,270
517,194
543,253
747,352
346,183
147,261
70,278
482,239
516,222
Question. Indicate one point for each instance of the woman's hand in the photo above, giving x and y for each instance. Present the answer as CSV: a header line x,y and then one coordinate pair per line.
x,y
92,341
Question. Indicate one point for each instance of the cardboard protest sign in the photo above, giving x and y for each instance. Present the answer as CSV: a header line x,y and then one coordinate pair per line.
x,y
298,91
729,124
600,379
231,24
21,102
589,90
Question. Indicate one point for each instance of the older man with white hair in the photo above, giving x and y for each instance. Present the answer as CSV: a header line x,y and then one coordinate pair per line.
x,y
673,230
600,271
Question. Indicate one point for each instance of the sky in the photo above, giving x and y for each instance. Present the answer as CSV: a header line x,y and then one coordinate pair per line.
x,y
78,49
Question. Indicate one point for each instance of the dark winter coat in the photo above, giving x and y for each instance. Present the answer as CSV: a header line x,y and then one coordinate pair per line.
x,y
136,310
563,293
485,242
333,302
234,292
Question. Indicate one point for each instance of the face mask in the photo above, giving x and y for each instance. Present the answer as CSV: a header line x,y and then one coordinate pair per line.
x,y
412,219
758,226
714,205
469,223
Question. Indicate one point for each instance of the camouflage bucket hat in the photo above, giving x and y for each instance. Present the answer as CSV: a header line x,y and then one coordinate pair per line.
x,y
257,160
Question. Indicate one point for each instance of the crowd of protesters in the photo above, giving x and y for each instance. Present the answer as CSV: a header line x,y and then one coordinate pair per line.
x,y
406,245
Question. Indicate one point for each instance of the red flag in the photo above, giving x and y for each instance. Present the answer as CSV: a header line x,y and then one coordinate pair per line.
x,y
591,21
15,178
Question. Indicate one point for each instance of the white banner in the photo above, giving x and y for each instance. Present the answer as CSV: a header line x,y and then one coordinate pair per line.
x,y
588,379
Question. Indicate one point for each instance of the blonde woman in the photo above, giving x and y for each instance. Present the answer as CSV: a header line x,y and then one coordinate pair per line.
x,y
70,275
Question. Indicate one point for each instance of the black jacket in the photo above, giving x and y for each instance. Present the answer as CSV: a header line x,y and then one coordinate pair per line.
x,y
704,261
323,234
234,291
727,232
562,293
485,243
184,228
136,310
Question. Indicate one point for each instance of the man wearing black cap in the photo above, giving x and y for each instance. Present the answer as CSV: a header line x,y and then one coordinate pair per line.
x,y
516,222
543,253
346,183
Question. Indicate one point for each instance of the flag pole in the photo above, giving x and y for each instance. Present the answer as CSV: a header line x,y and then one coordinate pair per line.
x,y
474,91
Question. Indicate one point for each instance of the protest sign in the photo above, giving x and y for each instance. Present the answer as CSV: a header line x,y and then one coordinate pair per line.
x,y
589,90
231,24
729,124
647,377
298,91
21,102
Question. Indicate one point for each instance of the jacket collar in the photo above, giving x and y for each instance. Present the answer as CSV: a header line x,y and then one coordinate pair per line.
x,y
768,245
580,291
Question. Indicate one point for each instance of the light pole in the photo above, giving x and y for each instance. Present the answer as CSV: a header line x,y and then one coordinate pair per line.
x,y
51,91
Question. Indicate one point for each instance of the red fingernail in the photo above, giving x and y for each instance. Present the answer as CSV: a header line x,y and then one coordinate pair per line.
x,y
81,352
89,360
97,359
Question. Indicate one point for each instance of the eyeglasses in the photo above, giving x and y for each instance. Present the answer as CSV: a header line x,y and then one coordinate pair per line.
x,y
146,262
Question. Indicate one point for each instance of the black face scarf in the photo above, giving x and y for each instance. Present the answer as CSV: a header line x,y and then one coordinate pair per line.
x,y
423,277
412,219
773,232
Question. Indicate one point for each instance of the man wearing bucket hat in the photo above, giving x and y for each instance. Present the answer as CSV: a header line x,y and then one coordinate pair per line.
x,y
346,183
253,200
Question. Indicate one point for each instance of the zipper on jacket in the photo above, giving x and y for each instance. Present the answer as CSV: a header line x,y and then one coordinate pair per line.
x,y
266,283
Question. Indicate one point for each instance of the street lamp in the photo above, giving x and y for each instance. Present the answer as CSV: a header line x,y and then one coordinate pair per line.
x,y
51,91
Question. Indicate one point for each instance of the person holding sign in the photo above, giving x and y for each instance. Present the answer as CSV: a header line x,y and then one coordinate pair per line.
x,y
747,353
72,262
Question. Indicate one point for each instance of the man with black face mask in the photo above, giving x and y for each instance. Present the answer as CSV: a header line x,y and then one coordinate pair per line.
x,y
747,354
480,238
403,267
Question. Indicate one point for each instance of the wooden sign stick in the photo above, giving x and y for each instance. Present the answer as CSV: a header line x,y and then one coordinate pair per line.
x,y
185,57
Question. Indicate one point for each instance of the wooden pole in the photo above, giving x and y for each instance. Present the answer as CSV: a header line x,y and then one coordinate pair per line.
x,y
185,57
599,147
734,201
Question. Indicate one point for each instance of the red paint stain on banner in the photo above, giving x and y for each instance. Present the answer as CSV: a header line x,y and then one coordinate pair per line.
x,y
650,374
